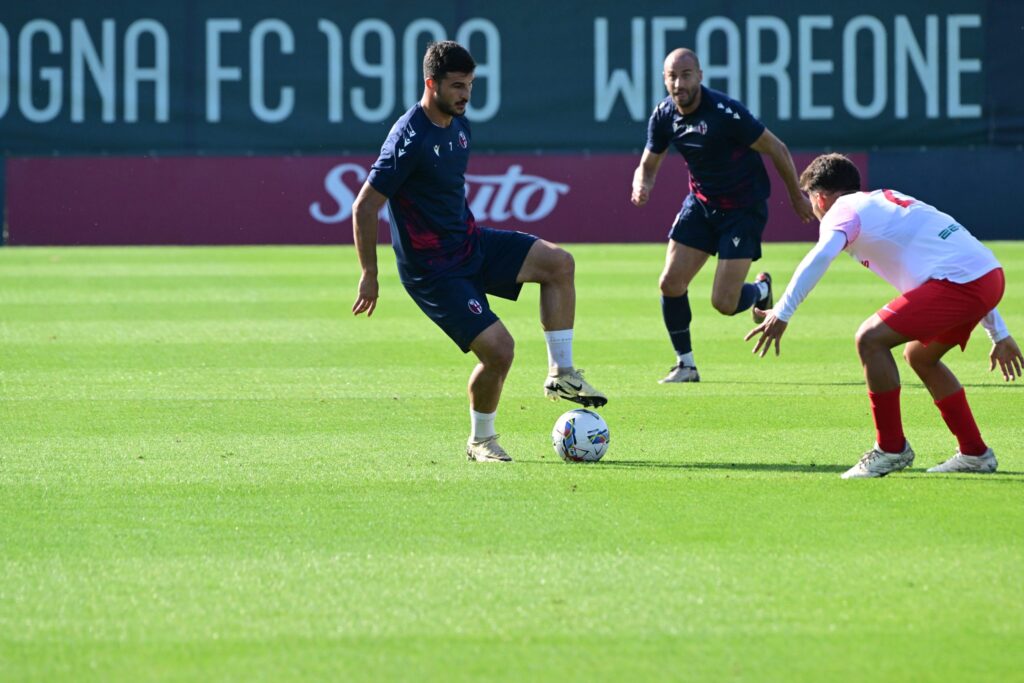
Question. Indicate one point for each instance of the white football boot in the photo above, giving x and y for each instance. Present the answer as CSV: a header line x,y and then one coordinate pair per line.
x,y
878,463
985,463
570,385
681,373
487,450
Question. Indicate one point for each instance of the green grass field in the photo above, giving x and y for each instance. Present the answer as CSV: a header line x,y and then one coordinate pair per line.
x,y
209,470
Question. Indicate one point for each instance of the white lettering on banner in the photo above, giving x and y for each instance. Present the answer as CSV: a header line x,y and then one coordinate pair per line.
x,y
730,71
881,67
50,74
659,27
135,74
215,73
83,52
257,43
486,51
383,71
809,67
496,198
488,68
5,70
92,64
957,66
630,86
867,91
776,69
412,57
500,197
342,194
907,49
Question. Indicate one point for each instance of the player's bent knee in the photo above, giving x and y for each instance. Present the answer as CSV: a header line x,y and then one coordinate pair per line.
x,y
918,358
725,305
564,264
499,356
494,347
868,340
670,286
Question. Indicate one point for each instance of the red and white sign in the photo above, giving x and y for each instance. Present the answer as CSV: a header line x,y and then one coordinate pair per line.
x,y
308,200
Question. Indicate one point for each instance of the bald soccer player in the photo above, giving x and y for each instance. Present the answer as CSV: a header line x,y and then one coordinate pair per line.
x,y
726,208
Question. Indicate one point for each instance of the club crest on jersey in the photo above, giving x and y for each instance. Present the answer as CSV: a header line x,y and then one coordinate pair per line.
x,y
475,307
701,128
463,142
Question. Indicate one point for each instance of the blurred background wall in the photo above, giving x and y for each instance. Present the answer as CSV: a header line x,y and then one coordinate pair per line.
x,y
209,123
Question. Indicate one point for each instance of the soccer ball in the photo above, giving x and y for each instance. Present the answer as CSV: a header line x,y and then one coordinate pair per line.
x,y
580,436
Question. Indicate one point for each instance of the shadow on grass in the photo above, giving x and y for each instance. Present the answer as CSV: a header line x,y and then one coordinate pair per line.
x,y
1005,477
773,382
858,383
734,466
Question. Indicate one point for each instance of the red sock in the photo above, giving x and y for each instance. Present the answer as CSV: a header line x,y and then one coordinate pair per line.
x,y
960,421
885,409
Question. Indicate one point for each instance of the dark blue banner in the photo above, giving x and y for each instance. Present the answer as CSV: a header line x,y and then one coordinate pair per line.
x,y
322,76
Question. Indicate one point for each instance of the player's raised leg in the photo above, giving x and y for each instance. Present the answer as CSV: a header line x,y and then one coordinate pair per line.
x,y
891,452
495,349
555,270
731,294
972,455
682,263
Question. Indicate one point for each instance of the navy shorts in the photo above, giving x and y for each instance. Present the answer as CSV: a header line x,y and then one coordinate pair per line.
x,y
730,233
459,305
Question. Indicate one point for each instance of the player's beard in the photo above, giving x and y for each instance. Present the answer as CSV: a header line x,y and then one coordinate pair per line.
x,y
685,98
451,109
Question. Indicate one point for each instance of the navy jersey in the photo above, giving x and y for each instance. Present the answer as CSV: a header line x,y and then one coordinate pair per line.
x,y
421,170
715,139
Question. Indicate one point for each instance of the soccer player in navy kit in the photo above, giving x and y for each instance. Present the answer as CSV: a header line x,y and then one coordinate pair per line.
x,y
447,263
726,209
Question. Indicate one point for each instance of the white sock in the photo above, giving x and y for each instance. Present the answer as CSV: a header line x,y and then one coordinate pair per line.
x,y
559,348
481,425
686,359
762,289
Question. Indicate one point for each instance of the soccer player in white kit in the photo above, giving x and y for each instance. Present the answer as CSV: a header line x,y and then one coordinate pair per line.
x,y
948,283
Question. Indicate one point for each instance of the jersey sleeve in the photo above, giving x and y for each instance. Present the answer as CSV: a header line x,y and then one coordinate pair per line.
x,y
995,326
744,126
841,218
398,157
810,271
658,137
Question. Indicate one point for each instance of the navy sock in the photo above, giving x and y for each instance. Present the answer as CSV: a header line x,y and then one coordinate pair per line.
x,y
676,311
749,296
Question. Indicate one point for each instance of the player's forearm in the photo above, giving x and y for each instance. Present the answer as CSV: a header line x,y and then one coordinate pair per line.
x,y
810,271
995,326
783,162
644,177
364,233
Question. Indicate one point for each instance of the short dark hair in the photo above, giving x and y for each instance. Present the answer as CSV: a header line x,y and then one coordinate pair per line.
x,y
444,56
831,173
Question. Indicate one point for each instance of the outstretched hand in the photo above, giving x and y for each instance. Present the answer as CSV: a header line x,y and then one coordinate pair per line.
x,y
1008,355
366,299
770,330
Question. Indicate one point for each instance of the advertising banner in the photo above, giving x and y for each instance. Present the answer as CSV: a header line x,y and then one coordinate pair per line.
x,y
324,77
308,200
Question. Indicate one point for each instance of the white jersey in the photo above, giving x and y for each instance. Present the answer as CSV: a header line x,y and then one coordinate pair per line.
x,y
906,241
